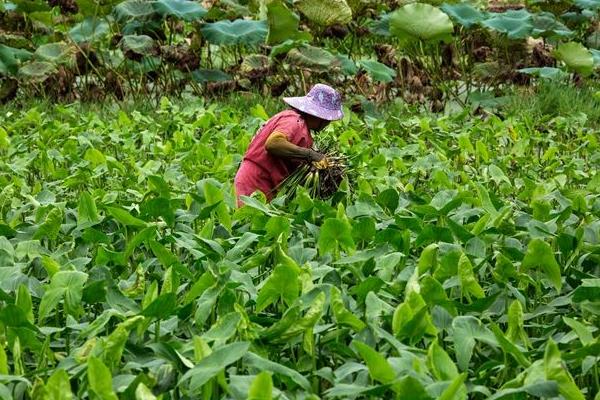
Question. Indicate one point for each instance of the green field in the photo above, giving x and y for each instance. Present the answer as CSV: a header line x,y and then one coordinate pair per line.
x,y
461,262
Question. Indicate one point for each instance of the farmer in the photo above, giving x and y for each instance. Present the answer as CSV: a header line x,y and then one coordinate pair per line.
x,y
284,142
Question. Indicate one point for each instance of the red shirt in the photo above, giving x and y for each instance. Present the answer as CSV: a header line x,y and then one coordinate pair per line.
x,y
291,124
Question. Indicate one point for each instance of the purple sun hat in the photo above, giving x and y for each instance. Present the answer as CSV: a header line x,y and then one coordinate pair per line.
x,y
322,101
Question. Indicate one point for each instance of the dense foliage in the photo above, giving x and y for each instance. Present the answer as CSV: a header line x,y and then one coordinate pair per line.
x,y
464,264
428,54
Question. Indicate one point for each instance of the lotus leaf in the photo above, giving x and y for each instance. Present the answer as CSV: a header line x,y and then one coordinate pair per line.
x,y
139,44
89,30
56,53
588,4
210,75
419,21
596,56
348,67
546,25
516,24
593,40
36,70
137,10
10,59
545,72
236,32
325,12
576,57
312,58
378,71
463,13
187,10
283,23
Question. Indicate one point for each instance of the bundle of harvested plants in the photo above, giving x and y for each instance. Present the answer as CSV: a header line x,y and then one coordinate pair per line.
x,y
321,179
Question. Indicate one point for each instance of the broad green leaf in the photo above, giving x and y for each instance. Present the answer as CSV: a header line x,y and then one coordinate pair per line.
x,y
162,307
325,12
23,301
138,44
466,331
378,71
10,59
555,370
143,393
50,228
58,386
210,75
456,390
583,332
134,10
312,58
516,328
410,388
254,360
113,346
379,368
283,284
516,24
239,31
55,53
540,255
342,315
67,285
100,380
335,234
262,387
545,25
283,23
509,348
440,363
463,13
87,213
125,218
576,57
211,365
181,9
419,21
36,71
468,281
89,30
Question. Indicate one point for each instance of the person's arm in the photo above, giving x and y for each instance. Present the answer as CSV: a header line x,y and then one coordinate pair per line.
x,y
278,145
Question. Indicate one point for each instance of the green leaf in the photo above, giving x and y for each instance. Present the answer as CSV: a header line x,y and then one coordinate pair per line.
x,y
67,285
87,213
509,348
10,58
335,234
255,361
556,371
89,30
134,10
312,58
125,218
23,301
51,226
283,23
456,389
410,388
36,71
583,332
467,330
239,31
138,44
589,290
539,254
210,75
283,283
547,26
112,348
262,387
440,363
379,368
468,282
142,392
516,24
58,386
162,307
463,13
378,71
545,72
182,9
100,379
576,57
419,21
55,53
212,364
342,316
325,12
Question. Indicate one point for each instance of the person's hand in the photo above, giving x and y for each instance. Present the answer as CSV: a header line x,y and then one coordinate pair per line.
x,y
314,156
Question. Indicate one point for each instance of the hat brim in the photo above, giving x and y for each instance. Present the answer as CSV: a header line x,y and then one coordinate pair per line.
x,y
304,104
